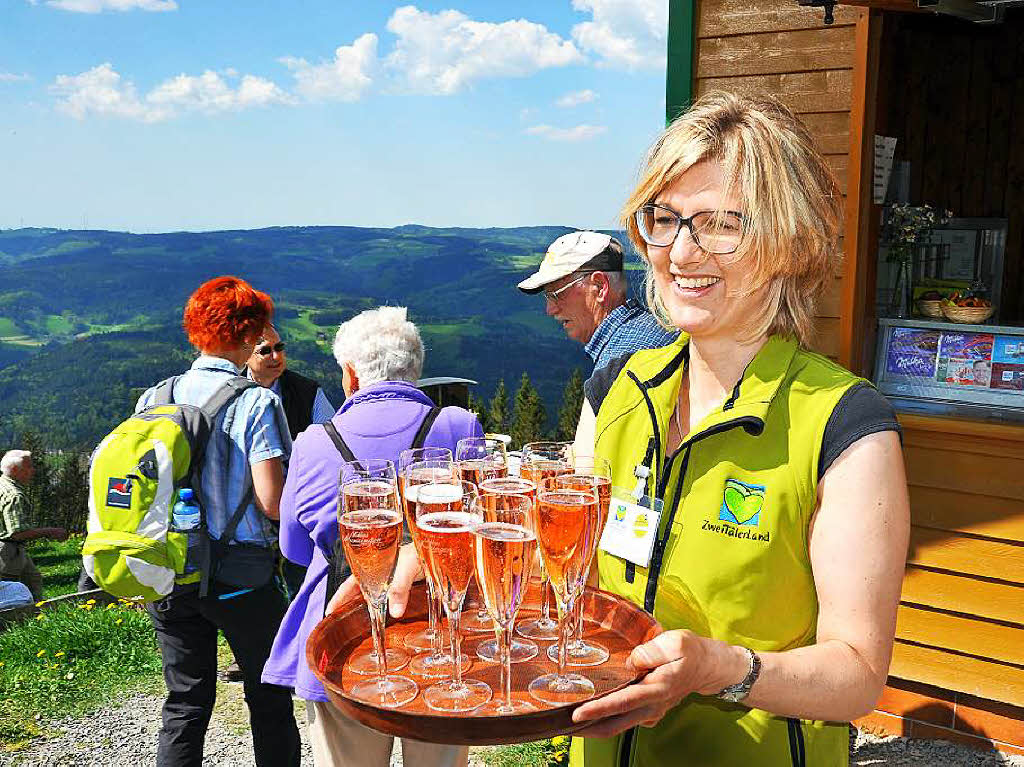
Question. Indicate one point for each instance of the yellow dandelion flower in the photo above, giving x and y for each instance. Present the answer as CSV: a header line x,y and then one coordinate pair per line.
x,y
119,621
1,664
111,606
91,602
40,604
41,653
559,740
59,654
39,617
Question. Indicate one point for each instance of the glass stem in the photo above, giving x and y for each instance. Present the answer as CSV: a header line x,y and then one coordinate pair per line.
x,y
564,629
578,623
377,613
504,637
434,616
456,644
545,584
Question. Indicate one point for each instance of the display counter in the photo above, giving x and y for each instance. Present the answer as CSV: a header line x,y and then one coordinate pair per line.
x,y
945,369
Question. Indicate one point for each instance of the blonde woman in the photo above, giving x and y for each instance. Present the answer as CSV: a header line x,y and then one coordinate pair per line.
x,y
776,571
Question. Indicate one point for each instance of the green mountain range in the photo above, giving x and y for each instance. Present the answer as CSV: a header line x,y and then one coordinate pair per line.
x,y
90,318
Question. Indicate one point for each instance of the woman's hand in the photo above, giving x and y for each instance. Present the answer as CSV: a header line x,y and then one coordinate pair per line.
x,y
407,572
679,662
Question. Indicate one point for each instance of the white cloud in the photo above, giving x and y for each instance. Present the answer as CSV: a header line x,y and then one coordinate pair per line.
x,y
443,53
11,77
625,34
576,98
98,6
345,78
101,91
577,133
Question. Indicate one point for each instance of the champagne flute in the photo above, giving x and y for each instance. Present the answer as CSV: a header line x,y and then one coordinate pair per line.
x,y
566,519
446,518
416,469
370,537
480,458
505,547
541,460
588,472
370,485
496,495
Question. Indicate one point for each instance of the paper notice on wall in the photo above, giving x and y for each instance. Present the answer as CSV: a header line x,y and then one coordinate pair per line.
x,y
885,149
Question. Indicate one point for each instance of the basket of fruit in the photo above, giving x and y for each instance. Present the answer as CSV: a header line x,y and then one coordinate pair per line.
x,y
930,304
967,309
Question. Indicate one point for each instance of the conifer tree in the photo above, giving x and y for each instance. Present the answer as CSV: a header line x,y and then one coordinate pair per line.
x,y
39,490
572,403
497,414
528,414
478,407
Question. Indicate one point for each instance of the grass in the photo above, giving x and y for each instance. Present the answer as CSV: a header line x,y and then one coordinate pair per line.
x,y
69,660
8,328
541,753
59,562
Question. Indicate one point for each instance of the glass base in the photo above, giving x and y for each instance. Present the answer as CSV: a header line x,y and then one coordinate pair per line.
x,y
390,692
522,651
498,708
476,621
427,664
558,690
539,629
446,696
420,641
366,664
582,653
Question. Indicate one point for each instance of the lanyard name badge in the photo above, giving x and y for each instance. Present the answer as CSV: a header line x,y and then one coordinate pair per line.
x,y
633,519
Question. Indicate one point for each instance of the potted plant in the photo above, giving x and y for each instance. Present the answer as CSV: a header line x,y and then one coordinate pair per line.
x,y
905,228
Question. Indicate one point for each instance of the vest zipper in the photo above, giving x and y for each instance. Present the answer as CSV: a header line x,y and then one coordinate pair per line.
x,y
796,743
626,748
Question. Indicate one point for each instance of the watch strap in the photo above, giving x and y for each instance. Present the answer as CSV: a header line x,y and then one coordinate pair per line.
x,y
734,693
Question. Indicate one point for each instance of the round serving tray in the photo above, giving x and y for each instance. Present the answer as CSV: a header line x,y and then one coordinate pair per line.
x,y
614,622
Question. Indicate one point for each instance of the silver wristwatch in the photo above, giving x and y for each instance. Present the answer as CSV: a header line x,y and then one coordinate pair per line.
x,y
734,693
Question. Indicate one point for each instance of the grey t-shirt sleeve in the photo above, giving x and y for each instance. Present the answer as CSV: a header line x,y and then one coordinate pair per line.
x,y
596,388
861,411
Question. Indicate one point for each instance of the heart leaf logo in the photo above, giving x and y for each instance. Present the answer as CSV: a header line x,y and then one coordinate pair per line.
x,y
743,501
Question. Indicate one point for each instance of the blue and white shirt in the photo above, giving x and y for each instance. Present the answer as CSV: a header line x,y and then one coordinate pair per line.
x,y
628,328
251,429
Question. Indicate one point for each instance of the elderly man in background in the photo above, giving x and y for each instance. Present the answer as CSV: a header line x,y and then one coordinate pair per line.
x,y
16,471
586,290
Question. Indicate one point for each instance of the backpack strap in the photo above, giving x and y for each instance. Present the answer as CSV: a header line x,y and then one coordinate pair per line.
x,y
339,442
228,390
428,423
163,392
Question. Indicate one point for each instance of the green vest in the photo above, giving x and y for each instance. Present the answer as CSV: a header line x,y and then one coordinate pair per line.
x,y
731,559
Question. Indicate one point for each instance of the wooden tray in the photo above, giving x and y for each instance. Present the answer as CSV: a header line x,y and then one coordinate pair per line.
x,y
614,622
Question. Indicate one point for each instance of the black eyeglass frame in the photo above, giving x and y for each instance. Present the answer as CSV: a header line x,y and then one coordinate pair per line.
x,y
266,351
688,223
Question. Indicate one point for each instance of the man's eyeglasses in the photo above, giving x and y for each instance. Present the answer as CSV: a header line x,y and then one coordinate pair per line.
x,y
554,295
267,349
718,232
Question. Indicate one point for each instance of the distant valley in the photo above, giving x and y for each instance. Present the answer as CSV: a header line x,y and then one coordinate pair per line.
x,y
89,318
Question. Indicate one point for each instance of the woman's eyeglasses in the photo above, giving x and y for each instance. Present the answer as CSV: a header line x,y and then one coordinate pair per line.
x,y
718,232
267,349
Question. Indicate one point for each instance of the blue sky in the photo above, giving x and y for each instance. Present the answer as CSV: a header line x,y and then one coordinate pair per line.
x,y
158,115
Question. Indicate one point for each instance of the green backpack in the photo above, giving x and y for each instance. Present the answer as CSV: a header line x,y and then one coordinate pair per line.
x,y
131,548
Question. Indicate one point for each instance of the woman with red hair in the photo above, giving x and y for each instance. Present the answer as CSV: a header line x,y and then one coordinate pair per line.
x,y
242,468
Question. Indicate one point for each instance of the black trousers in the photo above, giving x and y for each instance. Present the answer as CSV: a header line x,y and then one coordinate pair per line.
x,y
186,629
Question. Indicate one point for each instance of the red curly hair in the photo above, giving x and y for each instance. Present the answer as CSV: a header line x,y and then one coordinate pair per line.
x,y
225,312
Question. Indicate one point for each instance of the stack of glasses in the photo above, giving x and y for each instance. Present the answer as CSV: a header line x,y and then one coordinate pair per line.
x,y
468,518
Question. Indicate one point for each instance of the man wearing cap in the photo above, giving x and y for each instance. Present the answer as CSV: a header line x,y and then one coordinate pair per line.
x,y
586,290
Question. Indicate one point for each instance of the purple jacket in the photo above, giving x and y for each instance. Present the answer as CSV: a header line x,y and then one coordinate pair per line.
x,y
379,421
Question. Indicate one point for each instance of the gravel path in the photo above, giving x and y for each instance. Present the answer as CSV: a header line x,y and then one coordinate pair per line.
x,y
126,737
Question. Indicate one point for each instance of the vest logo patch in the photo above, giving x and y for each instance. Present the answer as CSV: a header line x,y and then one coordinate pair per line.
x,y
119,492
741,503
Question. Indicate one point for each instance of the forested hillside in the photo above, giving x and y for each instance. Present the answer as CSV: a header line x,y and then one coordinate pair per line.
x,y
89,318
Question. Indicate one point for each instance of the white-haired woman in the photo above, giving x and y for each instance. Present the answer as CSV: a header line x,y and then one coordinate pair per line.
x,y
777,565
381,356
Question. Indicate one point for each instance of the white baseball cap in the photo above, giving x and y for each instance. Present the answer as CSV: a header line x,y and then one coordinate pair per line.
x,y
572,252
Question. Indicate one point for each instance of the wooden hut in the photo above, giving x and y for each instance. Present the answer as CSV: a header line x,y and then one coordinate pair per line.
x,y
946,80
